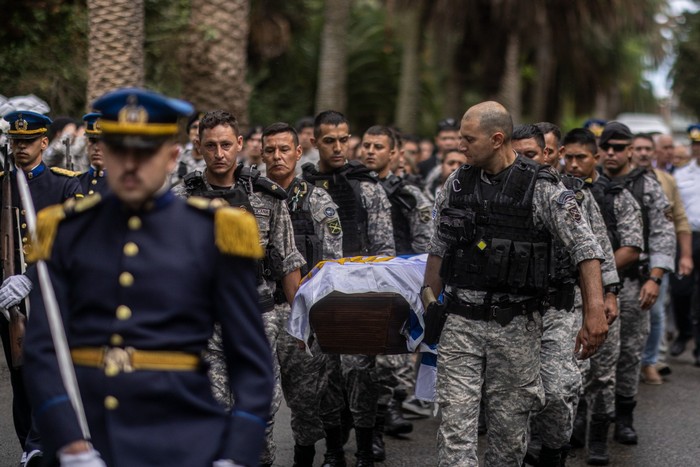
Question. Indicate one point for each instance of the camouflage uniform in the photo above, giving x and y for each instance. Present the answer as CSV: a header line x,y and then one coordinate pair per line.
x,y
559,370
275,228
186,164
635,321
304,377
600,382
504,359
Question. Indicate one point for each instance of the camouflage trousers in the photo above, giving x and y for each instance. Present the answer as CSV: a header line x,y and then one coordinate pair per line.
x,y
505,361
333,399
304,382
391,375
274,322
361,386
634,330
599,375
561,378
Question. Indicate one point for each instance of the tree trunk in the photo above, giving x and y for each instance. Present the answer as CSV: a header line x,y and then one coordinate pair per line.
x,y
544,65
408,101
331,92
511,87
214,62
116,36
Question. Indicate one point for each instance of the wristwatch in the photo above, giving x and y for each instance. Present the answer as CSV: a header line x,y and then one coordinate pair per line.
x,y
613,288
655,279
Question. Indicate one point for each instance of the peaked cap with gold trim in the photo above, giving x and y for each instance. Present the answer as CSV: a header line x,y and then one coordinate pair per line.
x,y
27,125
139,118
694,133
92,125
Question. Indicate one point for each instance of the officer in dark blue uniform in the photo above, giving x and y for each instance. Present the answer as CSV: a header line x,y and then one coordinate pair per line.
x,y
93,180
47,186
139,315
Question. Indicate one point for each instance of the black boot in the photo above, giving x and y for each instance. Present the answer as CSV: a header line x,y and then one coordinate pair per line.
x,y
549,457
335,456
624,431
304,455
578,435
395,424
378,449
598,440
363,437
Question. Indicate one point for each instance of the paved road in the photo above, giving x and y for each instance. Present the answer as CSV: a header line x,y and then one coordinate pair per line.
x,y
667,421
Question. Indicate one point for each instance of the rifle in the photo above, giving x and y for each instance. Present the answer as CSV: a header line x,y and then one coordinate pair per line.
x,y
69,160
10,222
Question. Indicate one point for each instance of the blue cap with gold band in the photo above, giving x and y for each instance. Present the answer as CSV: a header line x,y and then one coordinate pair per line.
x,y
595,126
27,125
694,133
135,117
92,126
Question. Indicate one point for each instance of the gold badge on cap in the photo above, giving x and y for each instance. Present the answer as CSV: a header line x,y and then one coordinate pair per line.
x,y
695,134
21,124
132,112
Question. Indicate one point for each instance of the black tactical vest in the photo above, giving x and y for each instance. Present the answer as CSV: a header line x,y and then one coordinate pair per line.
x,y
344,187
400,200
634,182
493,244
604,192
305,238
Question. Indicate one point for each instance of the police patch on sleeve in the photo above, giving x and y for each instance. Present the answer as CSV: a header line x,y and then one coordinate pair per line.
x,y
574,212
329,212
565,197
333,227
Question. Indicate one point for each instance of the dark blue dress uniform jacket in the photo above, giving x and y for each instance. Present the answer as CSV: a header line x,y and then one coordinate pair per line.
x,y
152,280
93,181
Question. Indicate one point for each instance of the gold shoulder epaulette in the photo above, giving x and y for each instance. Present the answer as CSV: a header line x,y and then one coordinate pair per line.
x,y
64,172
47,221
236,233
2,172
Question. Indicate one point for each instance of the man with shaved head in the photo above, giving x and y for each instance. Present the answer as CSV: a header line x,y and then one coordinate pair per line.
x,y
496,222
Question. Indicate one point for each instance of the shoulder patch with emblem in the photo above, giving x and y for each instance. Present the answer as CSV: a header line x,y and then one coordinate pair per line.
x,y
334,227
236,233
425,215
264,212
64,172
329,212
565,197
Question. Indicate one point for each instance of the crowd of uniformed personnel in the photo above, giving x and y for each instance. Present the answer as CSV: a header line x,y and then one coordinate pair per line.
x,y
546,255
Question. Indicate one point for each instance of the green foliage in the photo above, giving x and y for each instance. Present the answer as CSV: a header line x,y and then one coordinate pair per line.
x,y
44,52
685,70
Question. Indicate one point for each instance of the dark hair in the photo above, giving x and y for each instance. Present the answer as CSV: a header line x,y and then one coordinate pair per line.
x,y
379,130
304,122
547,127
197,116
447,124
646,136
215,118
328,117
58,124
528,131
253,130
280,127
582,136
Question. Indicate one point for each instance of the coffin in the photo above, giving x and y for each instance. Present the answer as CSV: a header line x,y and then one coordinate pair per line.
x,y
360,323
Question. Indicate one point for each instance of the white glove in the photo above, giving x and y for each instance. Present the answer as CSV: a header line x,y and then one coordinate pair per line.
x,y
14,290
89,458
226,463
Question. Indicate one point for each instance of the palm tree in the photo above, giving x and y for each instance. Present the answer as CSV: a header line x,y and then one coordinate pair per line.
x,y
214,58
331,92
116,36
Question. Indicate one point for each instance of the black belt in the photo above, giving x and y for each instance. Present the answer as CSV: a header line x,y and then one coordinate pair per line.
x,y
502,313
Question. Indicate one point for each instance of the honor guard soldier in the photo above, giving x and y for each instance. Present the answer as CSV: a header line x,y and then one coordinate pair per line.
x,y
220,143
93,181
28,141
318,236
365,214
497,220
139,317
623,225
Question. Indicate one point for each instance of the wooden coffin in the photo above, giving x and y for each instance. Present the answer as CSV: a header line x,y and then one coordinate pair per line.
x,y
362,323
